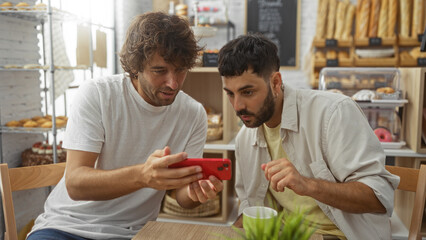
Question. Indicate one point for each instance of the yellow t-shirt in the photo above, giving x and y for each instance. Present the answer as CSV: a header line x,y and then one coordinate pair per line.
x,y
289,200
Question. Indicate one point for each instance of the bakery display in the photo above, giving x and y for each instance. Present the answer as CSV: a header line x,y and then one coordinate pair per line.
x,y
42,153
376,91
38,122
334,20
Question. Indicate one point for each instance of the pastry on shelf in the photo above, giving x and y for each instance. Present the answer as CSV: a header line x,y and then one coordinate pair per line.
x,y
22,6
60,123
335,91
30,124
182,10
47,124
383,134
40,7
10,66
42,154
6,6
36,118
387,90
364,95
387,93
33,66
13,123
24,120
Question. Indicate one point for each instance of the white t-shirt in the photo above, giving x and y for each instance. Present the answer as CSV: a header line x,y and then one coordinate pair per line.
x,y
109,117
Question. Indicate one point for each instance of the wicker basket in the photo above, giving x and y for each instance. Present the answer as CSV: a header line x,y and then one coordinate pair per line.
x,y
211,207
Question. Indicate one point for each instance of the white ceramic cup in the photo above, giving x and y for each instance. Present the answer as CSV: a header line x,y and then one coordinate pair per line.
x,y
251,215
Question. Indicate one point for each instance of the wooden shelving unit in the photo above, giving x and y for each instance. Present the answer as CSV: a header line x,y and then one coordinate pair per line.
x,y
413,84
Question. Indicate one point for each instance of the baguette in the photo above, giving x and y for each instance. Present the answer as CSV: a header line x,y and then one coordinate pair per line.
x,y
417,23
340,17
357,17
392,16
331,18
349,21
364,18
405,18
321,19
383,21
374,18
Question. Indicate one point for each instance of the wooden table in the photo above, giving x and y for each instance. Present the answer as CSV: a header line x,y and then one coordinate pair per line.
x,y
176,231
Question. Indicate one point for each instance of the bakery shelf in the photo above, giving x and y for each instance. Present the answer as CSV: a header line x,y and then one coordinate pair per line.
x,y
408,42
33,15
376,62
365,42
325,42
393,145
382,103
20,69
345,62
4,129
408,62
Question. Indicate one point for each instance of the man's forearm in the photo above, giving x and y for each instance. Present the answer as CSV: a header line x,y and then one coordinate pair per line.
x,y
95,184
353,197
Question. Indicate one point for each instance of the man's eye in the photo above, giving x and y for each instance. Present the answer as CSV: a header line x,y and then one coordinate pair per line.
x,y
159,71
229,94
247,92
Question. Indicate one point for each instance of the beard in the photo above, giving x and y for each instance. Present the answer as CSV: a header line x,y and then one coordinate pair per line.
x,y
263,115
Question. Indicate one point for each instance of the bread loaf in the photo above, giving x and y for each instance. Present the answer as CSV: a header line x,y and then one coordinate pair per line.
x,y
364,18
418,11
374,18
383,21
331,18
392,15
340,19
343,54
331,54
405,18
357,17
321,19
347,29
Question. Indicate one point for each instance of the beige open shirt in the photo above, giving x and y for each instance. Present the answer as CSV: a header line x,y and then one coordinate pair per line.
x,y
326,136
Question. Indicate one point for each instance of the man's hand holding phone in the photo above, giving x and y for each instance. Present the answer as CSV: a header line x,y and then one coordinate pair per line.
x,y
214,170
218,167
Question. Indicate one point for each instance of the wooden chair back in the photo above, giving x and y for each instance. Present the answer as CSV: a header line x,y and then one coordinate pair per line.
x,y
413,180
23,178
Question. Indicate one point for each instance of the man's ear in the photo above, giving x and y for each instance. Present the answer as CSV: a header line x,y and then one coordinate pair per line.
x,y
276,82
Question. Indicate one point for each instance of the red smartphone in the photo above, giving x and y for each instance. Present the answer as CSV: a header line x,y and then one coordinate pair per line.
x,y
218,167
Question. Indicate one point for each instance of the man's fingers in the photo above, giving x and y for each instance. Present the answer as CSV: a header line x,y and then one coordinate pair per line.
x,y
217,184
199,192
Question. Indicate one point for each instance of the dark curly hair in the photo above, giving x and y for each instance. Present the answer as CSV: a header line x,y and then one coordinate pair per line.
x,y
168,35
249,51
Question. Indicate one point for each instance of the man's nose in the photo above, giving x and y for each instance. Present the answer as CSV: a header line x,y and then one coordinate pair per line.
x,y
238,104
172,81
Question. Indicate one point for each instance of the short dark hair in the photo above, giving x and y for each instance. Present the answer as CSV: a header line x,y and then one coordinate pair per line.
x,y
249,51
168,35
